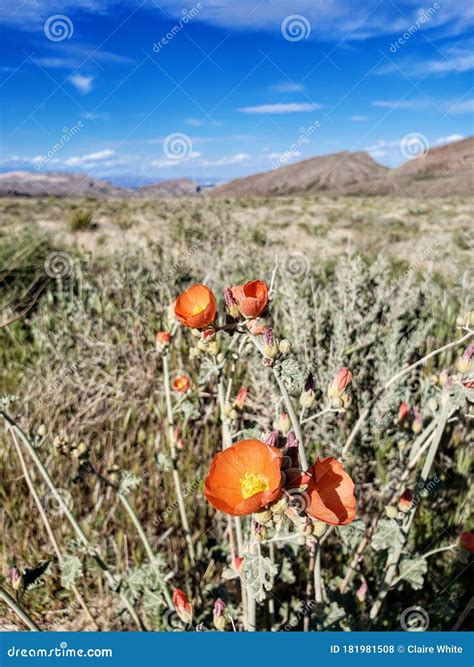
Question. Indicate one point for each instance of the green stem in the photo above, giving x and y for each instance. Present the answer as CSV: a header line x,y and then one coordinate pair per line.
x,y
174,461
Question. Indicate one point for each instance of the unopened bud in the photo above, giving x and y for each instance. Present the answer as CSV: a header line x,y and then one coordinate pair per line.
x,y
308,395
417,425
319,528
213,348
337,386
346,401
231,303
41,430
284,346
265,517
391,511
182,605
219,618
15,578
282,423
280,506
270,346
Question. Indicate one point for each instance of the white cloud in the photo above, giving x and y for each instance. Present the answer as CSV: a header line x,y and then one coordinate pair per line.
x,y
399,104
82,83
89,159
461,106
239,158
288,87
174,163
449,139
359,119
290,107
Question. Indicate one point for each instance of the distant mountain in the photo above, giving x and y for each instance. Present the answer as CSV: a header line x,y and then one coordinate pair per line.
x,y
335,173
55,184
180,187
442,171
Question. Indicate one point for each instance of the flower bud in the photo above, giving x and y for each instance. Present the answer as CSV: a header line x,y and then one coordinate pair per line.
x,y
162,340
466,541
259,531
15,578
308,396
270,347
284,346
417,425
238,563
41,430
265,517
346,401
362,591
219,619
233,415
272,439
241,398
196,333
443,377
280,506
405,501
337,386
282,423
464,363
231,303
213,348
403,412
182,605
267,361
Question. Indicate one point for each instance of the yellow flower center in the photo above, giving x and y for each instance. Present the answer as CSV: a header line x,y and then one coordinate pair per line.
x,y
252,484
199,308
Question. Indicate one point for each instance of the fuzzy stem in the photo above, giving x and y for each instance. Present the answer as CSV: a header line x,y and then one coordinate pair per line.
x,y
151,556
392,560
112,580
18,609
174,461
393,380
318,596
295,423
47,525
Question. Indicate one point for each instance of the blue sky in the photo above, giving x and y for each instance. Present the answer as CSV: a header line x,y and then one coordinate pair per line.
x,y
141,91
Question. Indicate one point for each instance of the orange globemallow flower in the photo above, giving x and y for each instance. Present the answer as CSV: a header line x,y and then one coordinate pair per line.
x,y
181,384
244,477
196,307
182,605
331,493
251,297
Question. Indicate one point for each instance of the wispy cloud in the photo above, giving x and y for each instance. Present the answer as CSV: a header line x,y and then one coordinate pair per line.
x,y
238,158
90,159
290,107
82,83
460,106
399,104
288,87
359,119
448,140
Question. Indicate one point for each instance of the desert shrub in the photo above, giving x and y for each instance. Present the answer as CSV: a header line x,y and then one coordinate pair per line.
x,y
81,221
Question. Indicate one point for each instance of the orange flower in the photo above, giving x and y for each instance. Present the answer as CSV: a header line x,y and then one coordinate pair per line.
x,y
466,540
331,492
251,297
244,477
406,499
182,605
181,384
196,307
162,339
